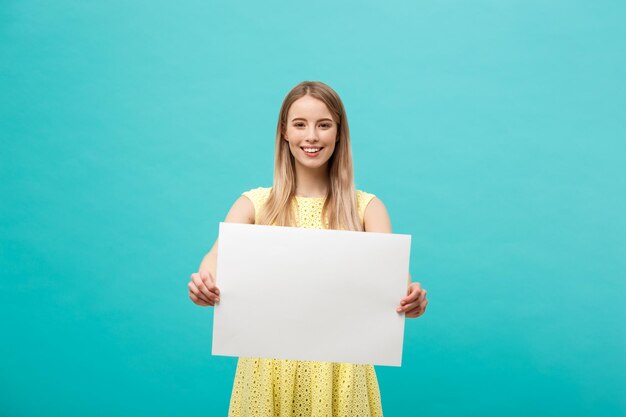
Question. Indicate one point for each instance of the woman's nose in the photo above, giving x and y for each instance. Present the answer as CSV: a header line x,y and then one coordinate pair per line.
x,y
312,135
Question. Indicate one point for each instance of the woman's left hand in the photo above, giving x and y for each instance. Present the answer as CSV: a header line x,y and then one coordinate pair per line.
x,y
415,302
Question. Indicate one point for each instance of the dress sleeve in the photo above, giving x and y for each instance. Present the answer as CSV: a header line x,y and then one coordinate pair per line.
x,y
258,196
362,200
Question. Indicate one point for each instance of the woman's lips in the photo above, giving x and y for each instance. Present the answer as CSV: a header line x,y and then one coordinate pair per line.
x,y
311,154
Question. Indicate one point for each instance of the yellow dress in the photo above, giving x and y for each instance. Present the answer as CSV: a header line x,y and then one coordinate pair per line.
x,y
293,388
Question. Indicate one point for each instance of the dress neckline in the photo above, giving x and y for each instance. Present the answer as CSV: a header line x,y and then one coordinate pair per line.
x,y
311,198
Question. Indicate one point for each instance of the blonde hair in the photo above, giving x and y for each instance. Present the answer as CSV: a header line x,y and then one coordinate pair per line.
x,y
340,207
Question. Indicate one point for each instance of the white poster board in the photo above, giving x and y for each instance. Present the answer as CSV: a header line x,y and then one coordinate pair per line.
x,y
310,294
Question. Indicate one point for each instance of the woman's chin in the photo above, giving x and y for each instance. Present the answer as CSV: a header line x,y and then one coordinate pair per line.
x,y
318,164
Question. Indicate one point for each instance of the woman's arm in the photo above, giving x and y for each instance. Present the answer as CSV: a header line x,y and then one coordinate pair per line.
x,y
203,290
242,211
376,219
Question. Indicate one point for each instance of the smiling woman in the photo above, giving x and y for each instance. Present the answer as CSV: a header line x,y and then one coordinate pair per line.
x,y
313,187
311,134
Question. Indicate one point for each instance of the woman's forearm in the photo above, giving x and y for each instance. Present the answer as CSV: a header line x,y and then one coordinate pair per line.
x,y
209,262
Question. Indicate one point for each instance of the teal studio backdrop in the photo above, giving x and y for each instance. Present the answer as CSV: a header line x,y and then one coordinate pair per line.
x,y
493,131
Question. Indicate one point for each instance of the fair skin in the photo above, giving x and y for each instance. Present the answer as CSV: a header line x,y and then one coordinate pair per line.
x,y
310,127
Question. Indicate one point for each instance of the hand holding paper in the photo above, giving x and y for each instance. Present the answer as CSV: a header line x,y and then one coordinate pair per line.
x,y
415,302
202,289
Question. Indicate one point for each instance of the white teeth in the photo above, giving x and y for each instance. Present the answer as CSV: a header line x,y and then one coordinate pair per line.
x,y
312,150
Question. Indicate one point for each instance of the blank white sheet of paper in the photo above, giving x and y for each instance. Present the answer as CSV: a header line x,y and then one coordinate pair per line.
x,y
310,294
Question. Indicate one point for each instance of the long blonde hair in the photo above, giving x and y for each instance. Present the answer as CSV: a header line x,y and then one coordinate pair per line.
x,y
340,207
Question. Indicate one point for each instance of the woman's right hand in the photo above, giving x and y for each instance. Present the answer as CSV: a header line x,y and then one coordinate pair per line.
x,y
202,289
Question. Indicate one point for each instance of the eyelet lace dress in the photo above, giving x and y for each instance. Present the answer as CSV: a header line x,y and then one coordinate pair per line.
x,y
294,388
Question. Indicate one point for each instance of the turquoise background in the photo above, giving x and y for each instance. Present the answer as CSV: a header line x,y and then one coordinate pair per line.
x,y
492,130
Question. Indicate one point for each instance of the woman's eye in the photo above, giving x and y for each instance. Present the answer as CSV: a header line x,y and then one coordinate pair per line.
x,y
299,124
325,125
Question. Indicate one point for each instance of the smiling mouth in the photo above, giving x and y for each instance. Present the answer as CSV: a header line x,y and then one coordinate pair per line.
x,y
311,150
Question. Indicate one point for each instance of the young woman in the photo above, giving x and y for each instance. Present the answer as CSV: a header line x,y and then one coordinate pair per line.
x,y
313,187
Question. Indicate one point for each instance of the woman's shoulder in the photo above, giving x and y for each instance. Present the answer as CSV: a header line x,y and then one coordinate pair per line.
x,y
364,194
257,191
363,198
258,195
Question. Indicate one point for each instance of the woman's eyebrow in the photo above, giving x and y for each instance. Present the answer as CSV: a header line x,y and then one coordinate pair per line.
x,y
319,120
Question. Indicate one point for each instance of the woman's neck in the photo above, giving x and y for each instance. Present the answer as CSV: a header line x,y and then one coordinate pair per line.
x,y
311,182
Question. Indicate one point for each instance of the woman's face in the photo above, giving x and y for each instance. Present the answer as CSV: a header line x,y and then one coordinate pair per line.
x,y
311,132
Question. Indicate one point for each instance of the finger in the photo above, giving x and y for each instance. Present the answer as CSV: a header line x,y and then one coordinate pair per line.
x,y
417,311
421,295
197,300
414,314
201,286
193,289
410,306
420,301
209,281
196,278
212,287
412,296
211,295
